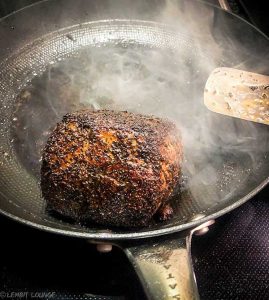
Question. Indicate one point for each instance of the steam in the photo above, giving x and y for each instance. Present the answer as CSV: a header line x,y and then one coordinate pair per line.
x,y
168,83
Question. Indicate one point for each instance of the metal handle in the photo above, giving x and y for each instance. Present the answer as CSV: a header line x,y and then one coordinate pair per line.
x,y
164,268
225,5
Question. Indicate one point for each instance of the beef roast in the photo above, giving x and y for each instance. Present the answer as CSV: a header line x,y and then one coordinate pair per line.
x,y
112,168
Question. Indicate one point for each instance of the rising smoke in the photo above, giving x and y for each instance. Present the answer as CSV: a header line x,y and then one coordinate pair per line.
x,y
156,79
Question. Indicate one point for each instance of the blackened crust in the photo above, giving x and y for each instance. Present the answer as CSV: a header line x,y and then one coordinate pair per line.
x,y
113,168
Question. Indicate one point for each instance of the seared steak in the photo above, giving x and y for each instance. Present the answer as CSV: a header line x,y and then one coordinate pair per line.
x,y
113,168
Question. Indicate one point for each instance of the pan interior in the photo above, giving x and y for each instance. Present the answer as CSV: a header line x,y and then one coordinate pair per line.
x,y
137,66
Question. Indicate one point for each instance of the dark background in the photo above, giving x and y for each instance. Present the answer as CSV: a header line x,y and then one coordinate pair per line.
x,y
231,261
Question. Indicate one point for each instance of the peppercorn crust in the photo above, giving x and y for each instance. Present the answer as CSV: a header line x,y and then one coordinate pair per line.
x,y
112,168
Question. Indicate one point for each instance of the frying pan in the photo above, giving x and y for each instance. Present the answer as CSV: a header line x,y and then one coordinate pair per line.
x,y
226,161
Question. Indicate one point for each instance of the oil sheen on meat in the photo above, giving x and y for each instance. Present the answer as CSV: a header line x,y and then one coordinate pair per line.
x,y
111,168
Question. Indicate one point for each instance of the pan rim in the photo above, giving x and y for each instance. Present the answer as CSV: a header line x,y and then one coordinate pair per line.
x,y
202,2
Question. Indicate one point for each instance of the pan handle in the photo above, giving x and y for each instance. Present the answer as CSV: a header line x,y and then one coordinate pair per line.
x,y
164,267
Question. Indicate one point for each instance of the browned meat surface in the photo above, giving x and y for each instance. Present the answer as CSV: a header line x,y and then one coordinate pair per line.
x,y
113,168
